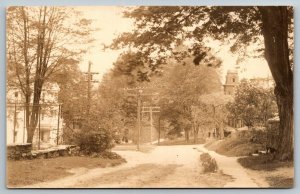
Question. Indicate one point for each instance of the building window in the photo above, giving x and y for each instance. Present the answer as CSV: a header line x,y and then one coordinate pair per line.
x,y
233,79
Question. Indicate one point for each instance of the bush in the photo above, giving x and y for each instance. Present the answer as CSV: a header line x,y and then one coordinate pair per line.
x,y
107,155
94,140
209,164
172,136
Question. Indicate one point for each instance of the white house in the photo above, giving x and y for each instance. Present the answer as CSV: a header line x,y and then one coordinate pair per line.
x,y
51,122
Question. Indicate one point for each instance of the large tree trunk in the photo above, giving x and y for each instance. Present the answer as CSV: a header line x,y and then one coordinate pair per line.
x,y
35,111
286,133
275,32
40,71
33,123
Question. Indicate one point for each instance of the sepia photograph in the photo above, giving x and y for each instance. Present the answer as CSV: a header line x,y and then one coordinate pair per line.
x,y
149,97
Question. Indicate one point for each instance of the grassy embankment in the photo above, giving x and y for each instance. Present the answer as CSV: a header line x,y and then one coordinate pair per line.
x,y
278,174
234,147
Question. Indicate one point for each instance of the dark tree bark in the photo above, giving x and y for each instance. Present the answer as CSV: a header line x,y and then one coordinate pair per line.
x,y
37,44
275,32
41,68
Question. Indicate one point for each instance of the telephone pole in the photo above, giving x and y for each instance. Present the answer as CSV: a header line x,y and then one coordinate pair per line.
x,y
89,88
159,129
138,92
15,117
151,110
58,123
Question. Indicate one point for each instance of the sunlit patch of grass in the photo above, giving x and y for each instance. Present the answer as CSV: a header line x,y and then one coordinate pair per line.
x,y
27,172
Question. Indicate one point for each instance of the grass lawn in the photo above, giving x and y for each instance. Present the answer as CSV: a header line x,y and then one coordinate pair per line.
x,y
27,172
280,182
263,162
279,174
234,147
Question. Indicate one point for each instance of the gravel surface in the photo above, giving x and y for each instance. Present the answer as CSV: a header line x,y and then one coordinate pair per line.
x,y
161,167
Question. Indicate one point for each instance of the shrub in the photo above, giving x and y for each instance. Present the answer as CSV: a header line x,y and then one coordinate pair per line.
x,y
209,164
91,140
110,155
171,136
244,134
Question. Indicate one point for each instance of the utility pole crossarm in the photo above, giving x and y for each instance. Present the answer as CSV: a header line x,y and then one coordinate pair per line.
x,y
151,110
91,73
90,81
131,95
138,93
149,94
136,88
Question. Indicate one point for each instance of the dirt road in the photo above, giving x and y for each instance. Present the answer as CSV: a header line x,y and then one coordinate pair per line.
x,y
163,167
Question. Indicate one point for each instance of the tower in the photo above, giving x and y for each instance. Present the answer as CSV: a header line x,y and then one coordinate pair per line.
x,y
232,80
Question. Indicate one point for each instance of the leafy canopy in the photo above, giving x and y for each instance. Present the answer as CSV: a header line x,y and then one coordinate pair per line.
x,y
253,104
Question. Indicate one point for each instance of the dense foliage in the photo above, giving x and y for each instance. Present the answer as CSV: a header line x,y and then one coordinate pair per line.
x,y
253,103
159,29
180,94
39,43
92,139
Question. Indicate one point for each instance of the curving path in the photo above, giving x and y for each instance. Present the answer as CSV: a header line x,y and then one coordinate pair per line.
x,y
230,166
162,167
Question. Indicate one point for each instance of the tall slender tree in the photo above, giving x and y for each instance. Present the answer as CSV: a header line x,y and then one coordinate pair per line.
x,y
39,41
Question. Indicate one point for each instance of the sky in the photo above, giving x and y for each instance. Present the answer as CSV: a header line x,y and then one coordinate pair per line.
x,y
110,22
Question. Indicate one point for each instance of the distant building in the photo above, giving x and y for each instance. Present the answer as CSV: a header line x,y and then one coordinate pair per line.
x,y
232,80
266,82
46,132
231,83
